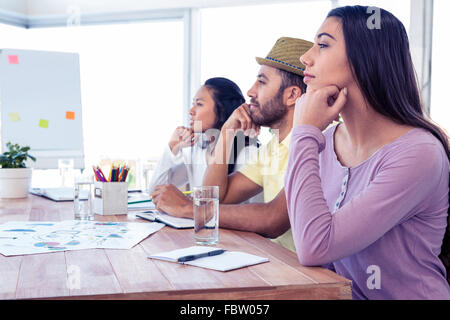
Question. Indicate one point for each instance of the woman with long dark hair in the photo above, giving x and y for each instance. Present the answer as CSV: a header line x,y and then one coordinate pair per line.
x,y
184,159
368,197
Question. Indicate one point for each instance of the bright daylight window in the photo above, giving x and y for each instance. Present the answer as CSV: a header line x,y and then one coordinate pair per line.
x,y
232,37
131,85
440,110
399,8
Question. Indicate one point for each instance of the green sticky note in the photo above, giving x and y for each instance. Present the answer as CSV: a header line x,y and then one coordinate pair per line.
x,y
14,117
43,123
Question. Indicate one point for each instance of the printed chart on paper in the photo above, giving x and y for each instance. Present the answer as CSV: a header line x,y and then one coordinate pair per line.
x,y
31,237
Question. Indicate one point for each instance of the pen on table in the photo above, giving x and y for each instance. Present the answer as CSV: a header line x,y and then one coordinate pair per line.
x,y
150,199
200,255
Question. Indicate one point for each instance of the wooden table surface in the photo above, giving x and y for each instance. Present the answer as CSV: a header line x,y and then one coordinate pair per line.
x,y
129,274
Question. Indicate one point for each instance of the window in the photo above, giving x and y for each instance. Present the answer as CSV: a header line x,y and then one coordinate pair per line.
x,y
401,9
232,37
131,83
440,110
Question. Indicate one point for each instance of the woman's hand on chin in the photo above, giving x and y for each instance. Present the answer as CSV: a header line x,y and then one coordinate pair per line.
x,y
319,107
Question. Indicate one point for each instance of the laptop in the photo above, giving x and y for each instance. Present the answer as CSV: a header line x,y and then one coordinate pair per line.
x,y
58,194
66,194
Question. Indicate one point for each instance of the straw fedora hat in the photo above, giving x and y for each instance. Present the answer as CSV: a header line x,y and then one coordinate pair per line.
x,y
286,54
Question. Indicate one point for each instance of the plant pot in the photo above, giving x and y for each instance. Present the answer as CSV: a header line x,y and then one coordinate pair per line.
x,y
15,183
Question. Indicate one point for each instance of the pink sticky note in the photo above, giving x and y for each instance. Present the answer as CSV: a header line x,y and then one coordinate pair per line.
x,y
13,59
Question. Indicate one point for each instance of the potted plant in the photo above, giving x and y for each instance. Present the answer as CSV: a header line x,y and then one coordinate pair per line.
x,y
15,177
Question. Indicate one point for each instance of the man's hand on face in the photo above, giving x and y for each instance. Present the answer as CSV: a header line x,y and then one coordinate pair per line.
x,y
240,119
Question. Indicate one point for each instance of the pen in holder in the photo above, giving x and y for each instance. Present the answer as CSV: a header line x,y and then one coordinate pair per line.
x,y
110,198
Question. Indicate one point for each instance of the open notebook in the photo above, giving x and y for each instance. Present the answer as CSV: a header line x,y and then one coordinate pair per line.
x,y
174,222
140,206
229,260
140,201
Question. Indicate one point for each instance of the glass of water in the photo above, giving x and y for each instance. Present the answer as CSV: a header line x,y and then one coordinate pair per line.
x,y
83,198
206,215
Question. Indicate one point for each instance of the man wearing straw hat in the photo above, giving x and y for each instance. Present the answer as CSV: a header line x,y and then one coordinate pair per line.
x,y
278,85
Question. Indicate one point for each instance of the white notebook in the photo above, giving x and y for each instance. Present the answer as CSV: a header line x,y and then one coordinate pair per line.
x,y
229,260
139,201
141,206
174,222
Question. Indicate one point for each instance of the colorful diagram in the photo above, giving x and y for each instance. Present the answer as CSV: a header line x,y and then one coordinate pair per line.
x,y
73,243
49,245
22,237
114,236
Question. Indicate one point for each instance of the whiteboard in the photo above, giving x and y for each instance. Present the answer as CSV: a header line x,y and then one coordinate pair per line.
x,y
40,103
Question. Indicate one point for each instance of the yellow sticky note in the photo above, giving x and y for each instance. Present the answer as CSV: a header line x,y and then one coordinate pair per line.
x,y
14,117
43,123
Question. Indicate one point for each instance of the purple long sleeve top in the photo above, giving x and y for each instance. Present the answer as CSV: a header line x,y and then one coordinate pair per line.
x,y
380,223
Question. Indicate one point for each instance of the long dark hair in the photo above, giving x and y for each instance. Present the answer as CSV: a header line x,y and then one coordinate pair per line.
x,y
227,97
371,52
382,66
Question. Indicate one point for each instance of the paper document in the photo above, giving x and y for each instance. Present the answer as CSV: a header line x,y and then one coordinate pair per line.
x,y
174,222
229,260
31,237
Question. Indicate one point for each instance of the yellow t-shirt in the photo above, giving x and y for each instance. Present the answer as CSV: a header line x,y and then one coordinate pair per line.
x,y
268,170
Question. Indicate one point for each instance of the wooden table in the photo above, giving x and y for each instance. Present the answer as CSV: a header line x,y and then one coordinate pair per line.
x,y
129,274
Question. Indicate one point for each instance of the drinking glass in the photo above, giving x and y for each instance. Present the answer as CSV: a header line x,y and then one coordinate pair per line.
x,y
206,215
83,197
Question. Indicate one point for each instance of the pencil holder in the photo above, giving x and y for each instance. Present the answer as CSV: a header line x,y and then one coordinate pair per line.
x,y
110,198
